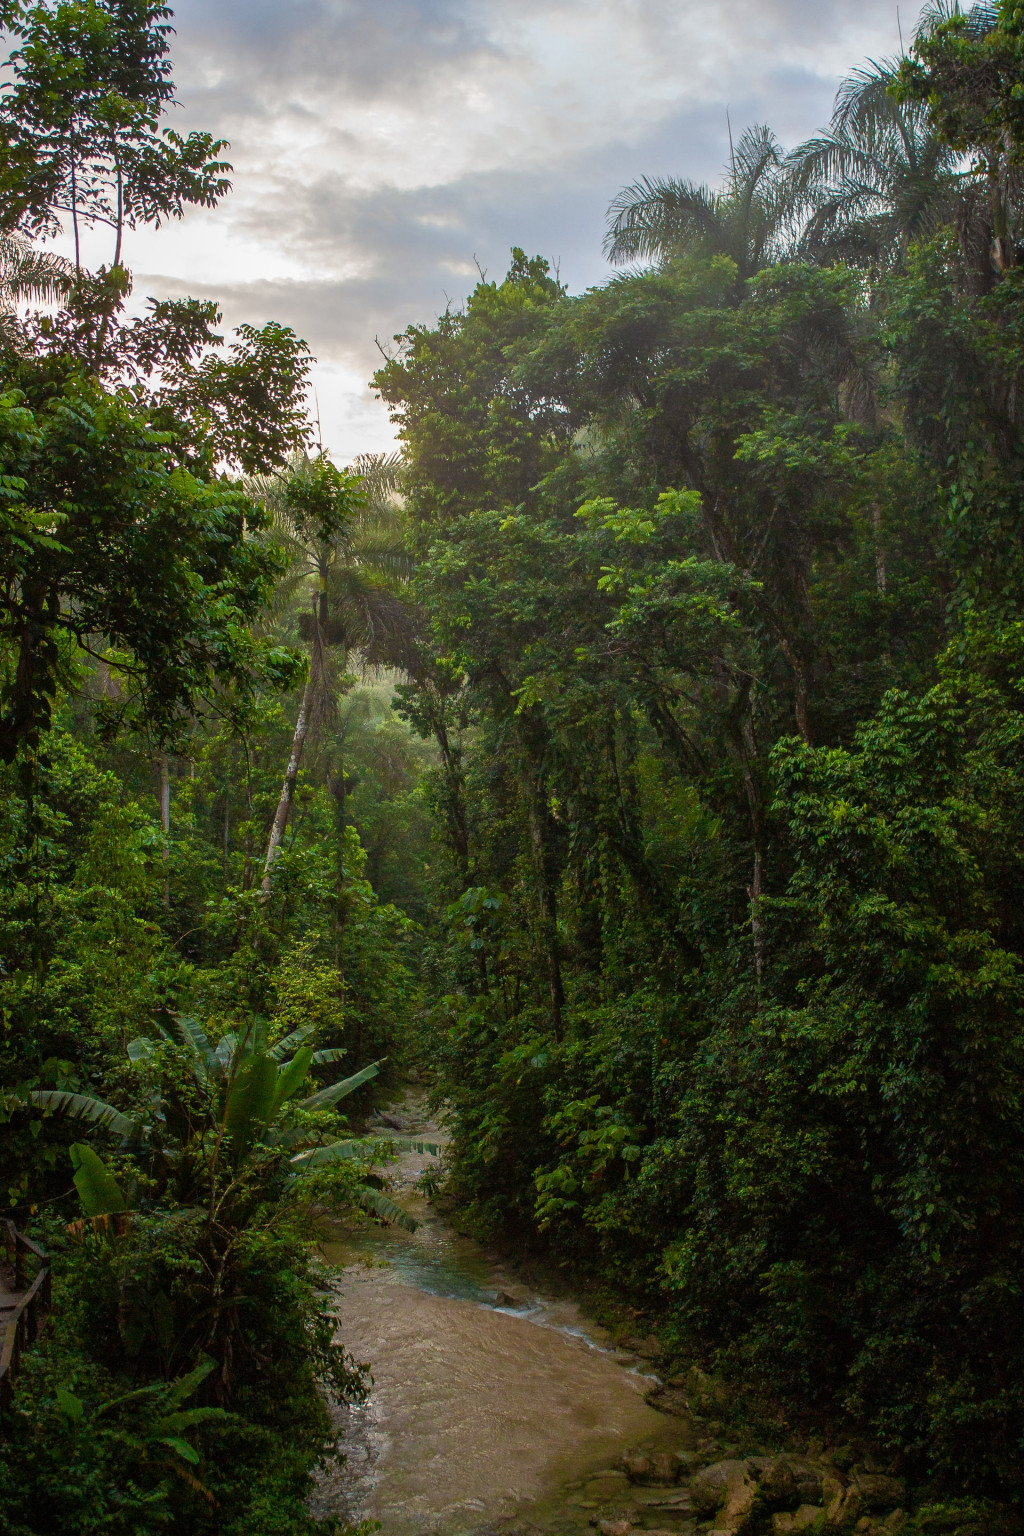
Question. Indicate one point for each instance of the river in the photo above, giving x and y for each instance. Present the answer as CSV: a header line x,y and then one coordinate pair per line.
x,y
493,1405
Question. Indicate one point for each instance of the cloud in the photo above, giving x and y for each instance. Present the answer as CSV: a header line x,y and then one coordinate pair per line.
x,y
381,145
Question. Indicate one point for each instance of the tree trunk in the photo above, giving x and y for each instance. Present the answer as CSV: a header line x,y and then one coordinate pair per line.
x,y
547,901
165,819
284,804
746,748
876,526
456,826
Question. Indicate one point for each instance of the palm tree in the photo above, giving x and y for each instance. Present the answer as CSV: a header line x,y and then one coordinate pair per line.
x,y
343,531
878,178
657,218
26,273
882,175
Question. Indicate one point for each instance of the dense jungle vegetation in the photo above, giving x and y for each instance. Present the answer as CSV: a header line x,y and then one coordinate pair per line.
x,y
652,741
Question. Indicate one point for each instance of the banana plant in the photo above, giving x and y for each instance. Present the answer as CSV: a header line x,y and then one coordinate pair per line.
x,y
245,1107
162,1430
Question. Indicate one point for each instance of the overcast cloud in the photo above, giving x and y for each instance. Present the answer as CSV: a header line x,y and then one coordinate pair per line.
x,y
383,147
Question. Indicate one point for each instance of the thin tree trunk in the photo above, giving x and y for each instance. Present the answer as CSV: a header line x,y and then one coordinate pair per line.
x,y
746,748
880,571
876,525
120,217
247,841
455,821
74,210
799,672
165,819
284,804
725,549
547,900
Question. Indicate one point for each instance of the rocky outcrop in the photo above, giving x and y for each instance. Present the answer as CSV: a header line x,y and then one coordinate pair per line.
x,y
727,1490
800,1495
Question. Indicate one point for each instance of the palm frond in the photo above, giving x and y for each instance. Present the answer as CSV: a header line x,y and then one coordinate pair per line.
x,y
757,152
381,476
977,20
656,215
26,273
876,179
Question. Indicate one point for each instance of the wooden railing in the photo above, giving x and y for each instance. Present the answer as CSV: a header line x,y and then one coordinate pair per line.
x,y
23,1310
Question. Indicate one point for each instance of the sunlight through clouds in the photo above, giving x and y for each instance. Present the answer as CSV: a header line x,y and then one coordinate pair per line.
x,y
382,146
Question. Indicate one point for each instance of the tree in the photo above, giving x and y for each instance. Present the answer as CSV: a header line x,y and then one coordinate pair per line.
x,y
80,125
968,68
341,533
107,545
661,218
235,1119
116,531
880,178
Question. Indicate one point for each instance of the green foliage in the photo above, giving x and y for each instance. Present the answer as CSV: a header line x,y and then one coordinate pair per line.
x,y
185,1377
730,1007
81,123
691,829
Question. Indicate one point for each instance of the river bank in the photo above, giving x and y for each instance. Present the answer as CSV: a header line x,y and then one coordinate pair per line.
x,y
499,1408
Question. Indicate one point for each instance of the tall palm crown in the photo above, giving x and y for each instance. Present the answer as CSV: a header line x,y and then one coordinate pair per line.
x,y
359,567
878,178
657,218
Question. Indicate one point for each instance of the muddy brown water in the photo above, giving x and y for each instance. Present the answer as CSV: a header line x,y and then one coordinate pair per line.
x,y
490,1403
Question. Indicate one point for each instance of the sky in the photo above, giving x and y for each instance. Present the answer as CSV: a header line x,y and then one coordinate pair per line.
x,y
385,151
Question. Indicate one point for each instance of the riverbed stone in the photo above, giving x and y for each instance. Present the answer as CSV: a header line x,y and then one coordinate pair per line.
x,y
877,1491
669,1399
615,1527
805,1518
648,1348
651,1469
777,1482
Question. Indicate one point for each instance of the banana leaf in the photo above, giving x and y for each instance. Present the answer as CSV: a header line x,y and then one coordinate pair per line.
x,y
336,1151
249,1101
290,1042
98,1190
379,1204
414,1144
82,1106
182,1387
290,1078
329,1054
192,1034
328,1096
